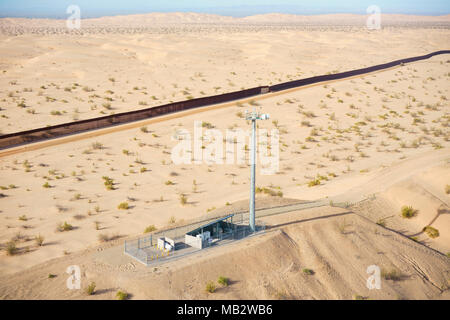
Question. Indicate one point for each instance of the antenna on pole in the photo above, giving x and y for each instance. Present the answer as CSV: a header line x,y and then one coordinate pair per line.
x,y
253,116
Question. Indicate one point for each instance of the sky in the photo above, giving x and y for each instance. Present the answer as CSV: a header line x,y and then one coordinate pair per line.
x,y
237,8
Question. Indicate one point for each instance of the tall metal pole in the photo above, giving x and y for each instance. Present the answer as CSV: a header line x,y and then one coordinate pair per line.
x,y
252,182
253,117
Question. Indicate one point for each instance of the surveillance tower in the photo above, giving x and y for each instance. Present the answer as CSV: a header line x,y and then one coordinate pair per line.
x,y
253,116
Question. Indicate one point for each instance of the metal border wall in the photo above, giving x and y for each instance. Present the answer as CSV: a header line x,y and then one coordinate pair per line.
x,y
352,73
34,135
39,134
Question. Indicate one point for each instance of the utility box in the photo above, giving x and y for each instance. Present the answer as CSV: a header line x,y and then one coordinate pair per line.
x,y
166,244
204,235
193,241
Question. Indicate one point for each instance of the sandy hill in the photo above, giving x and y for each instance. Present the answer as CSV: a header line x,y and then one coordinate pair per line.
x,y
293,18
163,18
426,193
335,244
385,134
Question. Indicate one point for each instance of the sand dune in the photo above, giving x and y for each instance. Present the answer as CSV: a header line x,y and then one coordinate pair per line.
x,y
377,142
147,20
381,143
41,85
336,245
424,192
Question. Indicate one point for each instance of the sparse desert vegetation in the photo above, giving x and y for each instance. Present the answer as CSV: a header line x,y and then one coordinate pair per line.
x,y
121,295
210,287
392,274
90,290
223,281
408,212
123,206
61,227
354,137
431,232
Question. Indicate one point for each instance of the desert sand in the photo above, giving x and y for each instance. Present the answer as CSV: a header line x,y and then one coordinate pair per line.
x,y
287,262
377,142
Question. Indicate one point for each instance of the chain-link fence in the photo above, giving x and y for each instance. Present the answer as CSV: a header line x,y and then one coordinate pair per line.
x,y
146,250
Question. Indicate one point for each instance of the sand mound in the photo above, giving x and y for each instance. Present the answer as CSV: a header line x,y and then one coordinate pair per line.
x,y
336,245
425,192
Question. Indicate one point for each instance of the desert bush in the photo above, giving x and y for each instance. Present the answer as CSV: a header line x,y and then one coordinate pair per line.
x,y
342,226
313,183
393,274
269,191
150,228
305,123
46,185
207,125
308,272
64,227
109,183
123,206
381,222
76,197
431,232
447,189
224,281
408,212
183,199
39,240
121,295
90,290
97,146
210,287
11,248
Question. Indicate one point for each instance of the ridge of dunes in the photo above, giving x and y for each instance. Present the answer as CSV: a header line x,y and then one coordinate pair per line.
x,y
335,244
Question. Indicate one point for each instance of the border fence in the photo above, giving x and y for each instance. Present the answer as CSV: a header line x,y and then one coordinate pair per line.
x,y
39,134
